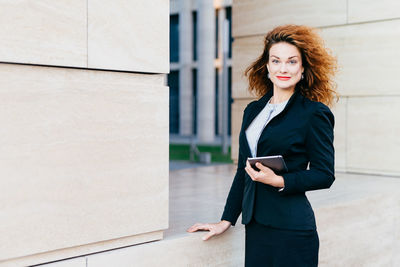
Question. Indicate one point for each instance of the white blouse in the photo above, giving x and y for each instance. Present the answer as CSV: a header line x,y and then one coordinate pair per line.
x,y
256,127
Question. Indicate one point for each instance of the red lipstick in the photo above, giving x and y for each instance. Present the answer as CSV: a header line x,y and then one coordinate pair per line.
x,y
283,78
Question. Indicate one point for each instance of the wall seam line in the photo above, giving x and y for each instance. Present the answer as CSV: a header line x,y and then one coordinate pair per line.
x,y
259,34
87,33
346,134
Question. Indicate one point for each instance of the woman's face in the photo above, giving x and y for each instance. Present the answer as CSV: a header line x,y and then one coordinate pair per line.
x,y
284,65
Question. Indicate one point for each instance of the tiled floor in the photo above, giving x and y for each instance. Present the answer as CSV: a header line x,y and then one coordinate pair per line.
x,y
197,195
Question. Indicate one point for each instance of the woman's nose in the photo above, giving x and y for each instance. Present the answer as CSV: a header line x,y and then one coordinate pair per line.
x,y
283,67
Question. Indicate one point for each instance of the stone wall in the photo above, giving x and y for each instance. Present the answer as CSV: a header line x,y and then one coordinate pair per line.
x,y
83,112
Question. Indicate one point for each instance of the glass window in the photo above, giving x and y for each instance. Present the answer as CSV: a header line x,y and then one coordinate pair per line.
x,y
173,83
194,79
229,18
217,107
174,38
230,99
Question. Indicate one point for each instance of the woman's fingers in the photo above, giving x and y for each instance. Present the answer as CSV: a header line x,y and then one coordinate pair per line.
x,y
207,236
198,226
248,164
191,228
247,168
257,175
213,228
250,171
262,167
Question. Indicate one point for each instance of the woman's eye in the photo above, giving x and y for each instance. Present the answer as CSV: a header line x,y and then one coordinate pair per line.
x,y
293,62
275,61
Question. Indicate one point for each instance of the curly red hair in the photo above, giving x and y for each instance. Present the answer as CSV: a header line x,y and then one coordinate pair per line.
x,y
319,65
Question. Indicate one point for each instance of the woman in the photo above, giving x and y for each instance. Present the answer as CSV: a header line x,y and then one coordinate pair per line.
x,y
294,77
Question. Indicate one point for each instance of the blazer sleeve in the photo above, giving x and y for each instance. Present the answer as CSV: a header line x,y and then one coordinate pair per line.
x,y
320,150
233,205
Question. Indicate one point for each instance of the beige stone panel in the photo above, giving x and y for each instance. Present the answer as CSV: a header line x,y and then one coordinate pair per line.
x,y
62,254
75,154
245,51
191,250
367,56
129,35
77,262
361,10
339,141
364,232
238,107
373,143
251,17
358,221
44,32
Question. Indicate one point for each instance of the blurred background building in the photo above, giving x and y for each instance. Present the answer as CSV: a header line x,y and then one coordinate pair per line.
x,y
196,69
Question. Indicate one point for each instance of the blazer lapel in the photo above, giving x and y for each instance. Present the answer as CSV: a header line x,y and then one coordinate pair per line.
x,y
256,109
258,106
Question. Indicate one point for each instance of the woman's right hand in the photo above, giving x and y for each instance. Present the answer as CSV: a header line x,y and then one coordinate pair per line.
x,y
213,228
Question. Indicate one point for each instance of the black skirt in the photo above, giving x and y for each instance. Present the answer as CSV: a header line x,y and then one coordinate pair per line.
x,y
273,247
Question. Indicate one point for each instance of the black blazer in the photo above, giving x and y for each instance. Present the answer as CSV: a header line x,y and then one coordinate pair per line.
x,y
301,133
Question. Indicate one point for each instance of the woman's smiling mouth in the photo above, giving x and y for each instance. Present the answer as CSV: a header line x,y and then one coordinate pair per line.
x,y
283,78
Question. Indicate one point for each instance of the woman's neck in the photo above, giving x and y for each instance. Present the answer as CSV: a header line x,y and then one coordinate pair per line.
x,y
281,95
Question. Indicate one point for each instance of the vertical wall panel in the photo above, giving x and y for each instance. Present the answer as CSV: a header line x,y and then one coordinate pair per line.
x,y
361,10
251,17
238,107
340,111
368,56
245,51
76,154
373,134
129,35
44,32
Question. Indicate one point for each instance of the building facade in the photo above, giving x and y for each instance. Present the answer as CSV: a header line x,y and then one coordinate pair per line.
x,y
196,68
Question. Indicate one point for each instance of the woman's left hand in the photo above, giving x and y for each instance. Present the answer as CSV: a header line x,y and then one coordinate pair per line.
x,y
265,175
